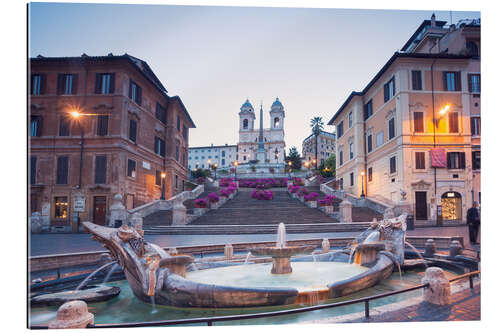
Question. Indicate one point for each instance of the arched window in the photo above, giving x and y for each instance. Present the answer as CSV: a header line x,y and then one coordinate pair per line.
x,y
276,122
472,49
245,123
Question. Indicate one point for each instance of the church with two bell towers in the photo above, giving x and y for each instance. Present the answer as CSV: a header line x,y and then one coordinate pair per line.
x,y
272,147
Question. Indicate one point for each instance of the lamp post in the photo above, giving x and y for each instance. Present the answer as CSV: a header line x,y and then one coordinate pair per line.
x,y
163,176
76,115
235,166
362,184
215,170
289,169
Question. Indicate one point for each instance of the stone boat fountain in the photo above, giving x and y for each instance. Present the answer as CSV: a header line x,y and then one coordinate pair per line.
x,y
156,276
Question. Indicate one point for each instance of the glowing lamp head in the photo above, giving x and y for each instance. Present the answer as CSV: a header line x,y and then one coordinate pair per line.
x,y
75,114
163,174
444,110
362,173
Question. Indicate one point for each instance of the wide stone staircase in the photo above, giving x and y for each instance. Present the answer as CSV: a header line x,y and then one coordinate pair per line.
x,y
245,215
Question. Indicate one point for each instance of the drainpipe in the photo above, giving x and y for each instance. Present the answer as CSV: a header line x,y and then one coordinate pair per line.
x,y
434,125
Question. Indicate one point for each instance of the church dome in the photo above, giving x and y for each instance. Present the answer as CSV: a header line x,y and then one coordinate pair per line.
x,y
277,103
247,105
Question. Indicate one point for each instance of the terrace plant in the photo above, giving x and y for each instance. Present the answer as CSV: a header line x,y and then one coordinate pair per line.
x,y
262,195
213,197
311,196
201,203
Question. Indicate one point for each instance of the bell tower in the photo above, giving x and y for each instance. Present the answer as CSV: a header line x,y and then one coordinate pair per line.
x,y
247,117
277,115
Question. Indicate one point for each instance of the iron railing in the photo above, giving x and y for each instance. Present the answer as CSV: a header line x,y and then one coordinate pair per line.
x,y
210,320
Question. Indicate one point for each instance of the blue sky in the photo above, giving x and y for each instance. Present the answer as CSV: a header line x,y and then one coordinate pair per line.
x,y
216,57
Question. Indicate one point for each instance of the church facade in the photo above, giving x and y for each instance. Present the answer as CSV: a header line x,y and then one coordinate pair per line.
x,y
273,137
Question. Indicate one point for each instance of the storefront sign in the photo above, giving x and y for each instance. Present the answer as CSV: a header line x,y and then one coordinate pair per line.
x,y
79,204
146,165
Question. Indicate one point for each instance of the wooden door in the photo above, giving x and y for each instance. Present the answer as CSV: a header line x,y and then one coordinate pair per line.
x,y
100,210
421,205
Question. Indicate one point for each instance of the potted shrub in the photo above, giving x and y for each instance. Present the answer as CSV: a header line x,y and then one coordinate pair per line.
x,y
213,199
201,206
310,199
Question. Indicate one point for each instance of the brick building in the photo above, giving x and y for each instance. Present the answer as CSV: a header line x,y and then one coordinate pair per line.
x,y
416,125
132,132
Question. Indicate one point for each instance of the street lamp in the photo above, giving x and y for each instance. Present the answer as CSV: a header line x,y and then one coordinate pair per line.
x,y
76,116
214,167
362,184
315,165
235,166
163,175
289,169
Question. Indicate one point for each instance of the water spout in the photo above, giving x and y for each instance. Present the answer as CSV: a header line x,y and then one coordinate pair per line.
x,y
248,257
153,305
111,271
84,282
416,251
281,239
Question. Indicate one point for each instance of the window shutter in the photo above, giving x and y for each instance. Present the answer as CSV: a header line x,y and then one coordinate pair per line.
x,y
458,81
139,95
461,160
448,160
100,170
62,170
60,84
33,170
130,89
112,83
469,81
74,84
386,92
98,83
365,110
445,85
32,83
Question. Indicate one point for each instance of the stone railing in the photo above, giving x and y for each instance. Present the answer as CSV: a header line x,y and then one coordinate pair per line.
x,y
134,216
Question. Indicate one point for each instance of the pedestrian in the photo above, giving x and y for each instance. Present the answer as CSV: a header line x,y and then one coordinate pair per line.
x,y
473,222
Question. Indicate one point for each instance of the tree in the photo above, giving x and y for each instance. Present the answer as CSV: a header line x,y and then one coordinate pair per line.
x,y
200,173
294,157
327,168
316,127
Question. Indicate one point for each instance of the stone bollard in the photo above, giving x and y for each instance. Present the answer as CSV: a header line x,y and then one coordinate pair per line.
x,y
117,211
178,213
325,245
345,208
73,314
430,248
228,251
455,248
438,291
36,222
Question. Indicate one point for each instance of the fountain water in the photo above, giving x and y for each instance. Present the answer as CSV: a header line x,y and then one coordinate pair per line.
x,y
248,257
416,251
111,271
84,282
281,238
153,304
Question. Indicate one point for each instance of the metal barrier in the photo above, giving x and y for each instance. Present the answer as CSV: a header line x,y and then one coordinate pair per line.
x,y
211,320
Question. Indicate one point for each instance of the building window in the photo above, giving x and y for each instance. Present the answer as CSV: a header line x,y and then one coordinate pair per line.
x,y
104,83
418,122
369,143
476,160
340,129
244,157
161,113
455,160
472,49
420,160
245,123
276,122
37,84
341,157
223,161
351,177
350,119
452,81
416,80
67,84
158,177
389,90
135,92
370,174
392,165
176,181
64,123
33,170
392,129
475,126
102,125
62,170
341,185
100,170
368,109
380,138
474,83
223,153
61,207
159,146
132,130
453,122
351,151
177,153
131,168
184,132
178,123
36,125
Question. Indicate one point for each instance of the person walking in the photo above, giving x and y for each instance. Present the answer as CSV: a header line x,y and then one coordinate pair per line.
x,y
473,222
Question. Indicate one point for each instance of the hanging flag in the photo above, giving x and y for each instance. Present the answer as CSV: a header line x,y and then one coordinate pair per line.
x,y
438,158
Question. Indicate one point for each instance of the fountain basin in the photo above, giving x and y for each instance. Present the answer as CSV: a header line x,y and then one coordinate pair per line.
x,y
88,294
281,256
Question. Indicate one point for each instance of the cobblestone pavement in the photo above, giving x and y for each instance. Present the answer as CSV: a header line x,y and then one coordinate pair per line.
x,y
45,244
465,306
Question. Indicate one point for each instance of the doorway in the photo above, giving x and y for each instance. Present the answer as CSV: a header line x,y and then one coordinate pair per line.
x,y
452,206
100,210
420,205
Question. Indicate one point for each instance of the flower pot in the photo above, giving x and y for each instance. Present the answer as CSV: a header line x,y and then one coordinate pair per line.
x,y
312,204
200,211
